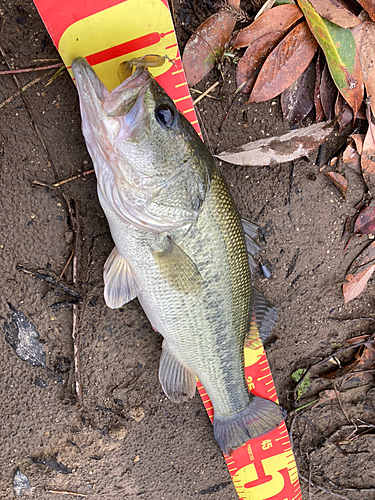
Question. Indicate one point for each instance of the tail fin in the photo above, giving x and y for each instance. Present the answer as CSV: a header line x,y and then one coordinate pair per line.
x,y
259,417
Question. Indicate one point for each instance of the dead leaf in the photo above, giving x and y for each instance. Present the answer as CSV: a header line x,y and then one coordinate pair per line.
x,y
350,223
328,93
20,483
285,64
353,380
369,6
22,336
358,139
253,58
298,100
351,159
206,46
368,158
335,12
356,340
343,112
317,97
287,147
339,182
364,36
278,19
365,223
359,273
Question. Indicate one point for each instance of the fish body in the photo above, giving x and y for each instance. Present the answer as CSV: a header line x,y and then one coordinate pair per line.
x,y
179,246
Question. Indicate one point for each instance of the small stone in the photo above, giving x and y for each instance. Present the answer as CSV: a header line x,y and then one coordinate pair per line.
x,y
68,237
137,414
117,432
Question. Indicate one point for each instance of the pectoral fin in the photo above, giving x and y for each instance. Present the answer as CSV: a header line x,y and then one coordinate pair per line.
x,y
251,230
177,267
177,381
120,283
263,319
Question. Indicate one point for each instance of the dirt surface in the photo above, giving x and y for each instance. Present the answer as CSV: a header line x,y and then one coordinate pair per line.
x,y
128,440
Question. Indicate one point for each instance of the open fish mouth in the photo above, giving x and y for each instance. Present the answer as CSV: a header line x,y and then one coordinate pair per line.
x,y
115,103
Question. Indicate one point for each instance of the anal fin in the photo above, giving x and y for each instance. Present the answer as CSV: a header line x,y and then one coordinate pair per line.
x,y
263,318
120,283
177,381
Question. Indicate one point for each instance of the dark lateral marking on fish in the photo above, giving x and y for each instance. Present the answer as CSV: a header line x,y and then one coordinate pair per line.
x,y
215,488
292,264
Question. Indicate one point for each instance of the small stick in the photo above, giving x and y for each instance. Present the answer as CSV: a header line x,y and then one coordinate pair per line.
x,y
60,492
29,70
351,319
64,181
205,93
67,264
22,90
339,400
49,279
321,488
327,439
74,221
227,113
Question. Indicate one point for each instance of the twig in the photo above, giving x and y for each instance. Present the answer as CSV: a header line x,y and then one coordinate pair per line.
x,y
28,85
74,221
64,181
51,280
339,400
67,264
61,492
205,93
321,488
205,132
227,113
29,70
309,483
327,439
267,5
291,181
351,319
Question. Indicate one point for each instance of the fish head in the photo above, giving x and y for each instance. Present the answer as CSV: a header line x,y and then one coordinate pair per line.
x,y
150,164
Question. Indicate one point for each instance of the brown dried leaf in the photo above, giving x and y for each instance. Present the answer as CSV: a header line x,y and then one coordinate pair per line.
x,y
298,100
335,12
206,46
365,223
364,36
356,340
359,273
343,112
351,159
339,182
368,158
273,150
317,97
328,93
285,64
325,396
253,58
358,139
369,6
278,19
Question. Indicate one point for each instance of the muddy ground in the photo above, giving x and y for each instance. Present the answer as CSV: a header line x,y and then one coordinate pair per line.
x,y
128,440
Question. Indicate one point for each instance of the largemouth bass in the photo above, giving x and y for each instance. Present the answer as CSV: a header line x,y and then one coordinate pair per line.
x,y
180,247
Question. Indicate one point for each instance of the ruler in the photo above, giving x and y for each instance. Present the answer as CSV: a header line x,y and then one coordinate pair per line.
x,y
106,32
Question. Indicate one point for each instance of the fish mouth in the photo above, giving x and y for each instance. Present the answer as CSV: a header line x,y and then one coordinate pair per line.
x,y
120,100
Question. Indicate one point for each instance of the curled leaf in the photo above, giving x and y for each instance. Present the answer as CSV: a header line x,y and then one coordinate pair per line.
x,y
339,48
352,159
368,158
358,140
285,64
328,93
369,6
365,223
338,181
317,92
359,273
206,46
336,13
364,36
279,19
298,100
287,147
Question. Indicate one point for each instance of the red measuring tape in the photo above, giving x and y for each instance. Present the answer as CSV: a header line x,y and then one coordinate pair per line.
x,y
264,468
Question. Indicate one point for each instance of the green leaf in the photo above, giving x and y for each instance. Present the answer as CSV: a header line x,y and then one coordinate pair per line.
x,y
339,48
303,381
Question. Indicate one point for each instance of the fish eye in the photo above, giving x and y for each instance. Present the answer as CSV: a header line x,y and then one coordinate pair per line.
x,y
165,115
